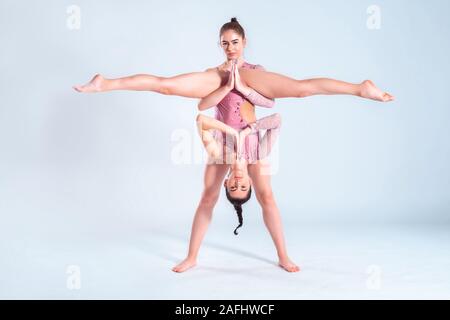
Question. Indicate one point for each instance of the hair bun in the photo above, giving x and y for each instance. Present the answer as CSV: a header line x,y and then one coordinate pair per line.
x,y
234,19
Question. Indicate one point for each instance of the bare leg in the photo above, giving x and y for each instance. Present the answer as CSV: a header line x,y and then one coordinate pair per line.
x,y
190,85
214,175
269,84
274,85
271,214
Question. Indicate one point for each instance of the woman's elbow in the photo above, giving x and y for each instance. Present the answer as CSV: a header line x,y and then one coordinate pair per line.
x,y
200,106
199,117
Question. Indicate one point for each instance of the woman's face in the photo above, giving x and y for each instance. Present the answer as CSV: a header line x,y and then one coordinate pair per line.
x,y
232,44
238,182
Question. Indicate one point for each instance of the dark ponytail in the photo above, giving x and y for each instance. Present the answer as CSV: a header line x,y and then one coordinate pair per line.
x,y
238,208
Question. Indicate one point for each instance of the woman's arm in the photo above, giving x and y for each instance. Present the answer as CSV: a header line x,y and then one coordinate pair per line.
x,y
250,94
272,125
217,95
272,122
204,123
213,98
234,81
259,100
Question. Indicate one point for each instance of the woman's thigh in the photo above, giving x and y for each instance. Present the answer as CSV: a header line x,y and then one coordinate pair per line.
x,y
213,178
200,84
259,172
194,84
272,85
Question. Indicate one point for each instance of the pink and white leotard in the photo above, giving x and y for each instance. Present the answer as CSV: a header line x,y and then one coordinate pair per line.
x,y
228,111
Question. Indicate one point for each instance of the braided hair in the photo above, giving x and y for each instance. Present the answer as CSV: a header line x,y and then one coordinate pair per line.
x,y
237,204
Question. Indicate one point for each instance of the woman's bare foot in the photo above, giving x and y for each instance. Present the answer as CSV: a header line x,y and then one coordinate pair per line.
x,y
184,265
97,84
370,91
288,265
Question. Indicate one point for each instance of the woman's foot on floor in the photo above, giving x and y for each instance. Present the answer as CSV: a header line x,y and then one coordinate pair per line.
x,y
184,265
370,91
288,265
97,84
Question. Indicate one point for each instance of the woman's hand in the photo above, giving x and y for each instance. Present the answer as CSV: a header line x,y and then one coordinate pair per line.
x,y
238,85
231,80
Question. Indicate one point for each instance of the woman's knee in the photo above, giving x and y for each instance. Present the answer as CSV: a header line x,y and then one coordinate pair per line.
x,y
304,88
266,198
209,198
165,85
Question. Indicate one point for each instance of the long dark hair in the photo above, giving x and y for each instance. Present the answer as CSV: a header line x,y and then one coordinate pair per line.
x,y
237,203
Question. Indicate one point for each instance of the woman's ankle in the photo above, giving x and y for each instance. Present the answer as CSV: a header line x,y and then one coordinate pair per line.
x,y
283,256
358,89
110,84
191,257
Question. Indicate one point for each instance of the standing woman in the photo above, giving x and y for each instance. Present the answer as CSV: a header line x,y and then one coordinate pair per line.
x,y
247,147
235,118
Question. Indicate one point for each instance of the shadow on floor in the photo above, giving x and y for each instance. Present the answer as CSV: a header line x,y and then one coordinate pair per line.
x,y
209,244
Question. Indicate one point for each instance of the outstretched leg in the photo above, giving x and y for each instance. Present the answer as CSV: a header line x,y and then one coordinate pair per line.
x,y
190,85
271,214
275,85
214,175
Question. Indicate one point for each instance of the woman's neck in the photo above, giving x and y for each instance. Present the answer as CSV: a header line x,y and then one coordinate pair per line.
x,y
238,163
240,61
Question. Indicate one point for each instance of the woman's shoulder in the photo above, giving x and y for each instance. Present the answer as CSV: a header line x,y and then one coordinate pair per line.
x,y
212,69
254,66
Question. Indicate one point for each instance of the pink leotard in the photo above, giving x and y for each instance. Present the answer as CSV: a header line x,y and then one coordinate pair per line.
x,y
228,111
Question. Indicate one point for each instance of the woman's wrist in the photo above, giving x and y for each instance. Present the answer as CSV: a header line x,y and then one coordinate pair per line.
x,y
228,87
